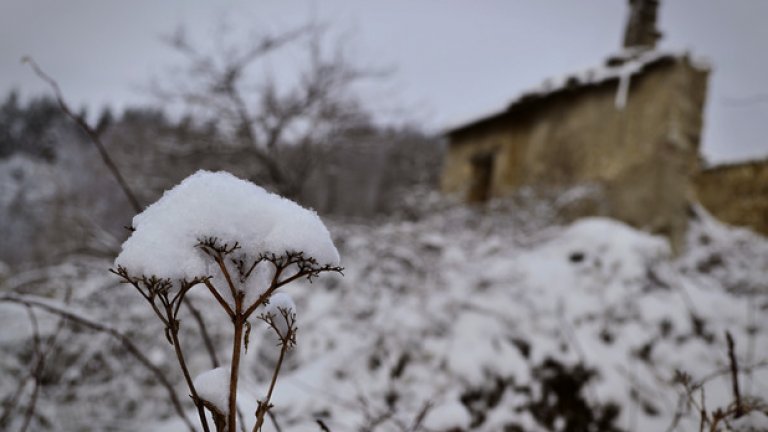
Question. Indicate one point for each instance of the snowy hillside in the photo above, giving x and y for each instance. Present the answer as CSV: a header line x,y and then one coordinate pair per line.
x,y
474,330
471,320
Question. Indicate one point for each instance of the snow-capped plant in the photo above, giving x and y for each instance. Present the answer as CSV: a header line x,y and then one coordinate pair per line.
x,y
241,244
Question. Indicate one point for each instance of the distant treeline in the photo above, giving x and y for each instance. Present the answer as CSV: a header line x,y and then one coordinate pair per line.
x,y
53,175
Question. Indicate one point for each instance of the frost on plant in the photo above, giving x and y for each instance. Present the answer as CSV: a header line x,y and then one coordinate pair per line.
x,y
240,244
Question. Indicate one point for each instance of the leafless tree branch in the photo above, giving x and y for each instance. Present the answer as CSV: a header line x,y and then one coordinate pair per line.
x,y
198,317
89,131
264,117
63,311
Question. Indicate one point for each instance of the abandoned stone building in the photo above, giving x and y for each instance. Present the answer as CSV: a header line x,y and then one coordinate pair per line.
x,y
631,127
736,193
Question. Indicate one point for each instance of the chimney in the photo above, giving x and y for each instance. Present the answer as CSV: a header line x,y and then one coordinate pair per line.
x,y
641,29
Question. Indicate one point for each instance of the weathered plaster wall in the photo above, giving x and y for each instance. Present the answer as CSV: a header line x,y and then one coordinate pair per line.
x,y
736,194
643,153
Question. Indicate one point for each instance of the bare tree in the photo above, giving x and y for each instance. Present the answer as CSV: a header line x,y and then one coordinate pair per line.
x,y
281,121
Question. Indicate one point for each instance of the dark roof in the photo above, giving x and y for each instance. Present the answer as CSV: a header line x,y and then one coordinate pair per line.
x,y
753,163
619,66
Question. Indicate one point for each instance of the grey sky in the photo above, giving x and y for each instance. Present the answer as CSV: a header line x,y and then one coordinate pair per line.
x,y
453,60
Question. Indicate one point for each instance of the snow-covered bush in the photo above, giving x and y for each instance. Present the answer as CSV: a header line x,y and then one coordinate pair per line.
x,y
241,244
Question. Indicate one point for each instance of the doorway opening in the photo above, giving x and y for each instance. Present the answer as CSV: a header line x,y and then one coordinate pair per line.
x,y
482,174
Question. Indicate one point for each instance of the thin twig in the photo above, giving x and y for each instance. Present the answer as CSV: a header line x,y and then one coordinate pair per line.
x,y
35,371
95,139
174,330
274,421
224,305
279,364
36,368
238,322
203,331
323,426
421,415
241,420
287,340
703,411
222,265
233,375
45,305
734,374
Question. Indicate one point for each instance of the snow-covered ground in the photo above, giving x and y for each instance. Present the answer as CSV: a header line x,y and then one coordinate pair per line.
x,y
468,319
480,328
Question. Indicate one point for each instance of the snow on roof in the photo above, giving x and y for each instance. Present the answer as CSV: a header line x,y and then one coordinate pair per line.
x,y
220,205
620,66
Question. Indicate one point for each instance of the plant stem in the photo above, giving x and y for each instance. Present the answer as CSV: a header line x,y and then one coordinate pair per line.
x,y
734,374
236,348
264,407
62,310
94,137
283,349
203,331
187,377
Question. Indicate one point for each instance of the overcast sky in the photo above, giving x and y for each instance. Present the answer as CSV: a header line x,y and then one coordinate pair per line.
x,y
452,60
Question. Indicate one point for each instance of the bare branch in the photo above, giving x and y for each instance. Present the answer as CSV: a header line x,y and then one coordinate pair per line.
x,y
203,331
274,421
262,116
65,312
174,331
219,298
734,374
265,406
89,131
421,415
36,369
323,426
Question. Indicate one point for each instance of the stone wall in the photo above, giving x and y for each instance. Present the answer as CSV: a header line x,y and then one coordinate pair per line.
x,y
736,194
643,153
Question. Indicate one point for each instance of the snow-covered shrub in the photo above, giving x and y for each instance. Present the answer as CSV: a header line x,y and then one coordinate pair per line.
x,y
241,244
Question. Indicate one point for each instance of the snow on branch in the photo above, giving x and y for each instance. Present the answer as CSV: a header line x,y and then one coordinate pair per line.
x,y
208,206
242,243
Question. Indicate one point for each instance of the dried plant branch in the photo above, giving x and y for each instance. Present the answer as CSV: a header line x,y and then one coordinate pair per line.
x,y
14,400
287,341
174,331
734,374
308,267
322,425
223,303
89,131
35,370
703,411
737,408
233,377
223,267
241,420
259,114
132,349
273,419
421,415
166,301
265,406
207,341
155,289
